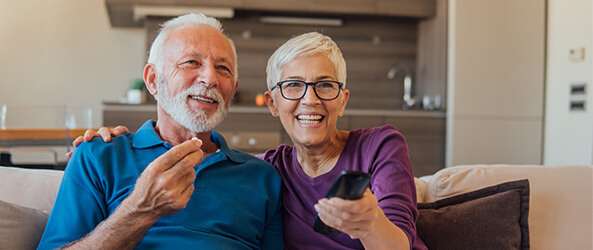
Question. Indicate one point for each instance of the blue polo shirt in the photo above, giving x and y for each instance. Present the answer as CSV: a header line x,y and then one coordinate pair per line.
x,y
235,205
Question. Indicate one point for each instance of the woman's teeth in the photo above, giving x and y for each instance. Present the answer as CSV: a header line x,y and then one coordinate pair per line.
x,y
309,119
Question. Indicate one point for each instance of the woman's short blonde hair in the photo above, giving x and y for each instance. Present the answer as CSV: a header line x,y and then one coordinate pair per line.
x,y
303,45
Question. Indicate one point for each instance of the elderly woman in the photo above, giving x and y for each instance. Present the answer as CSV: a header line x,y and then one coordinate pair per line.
x,y
306,80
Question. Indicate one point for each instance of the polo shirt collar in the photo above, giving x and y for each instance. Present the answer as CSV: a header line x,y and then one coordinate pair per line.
x,y
230,154
146,137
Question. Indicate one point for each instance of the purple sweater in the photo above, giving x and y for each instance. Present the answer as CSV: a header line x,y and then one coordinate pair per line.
x,y
383,153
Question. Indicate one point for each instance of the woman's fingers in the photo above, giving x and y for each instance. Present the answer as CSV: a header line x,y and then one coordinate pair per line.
x,y
89,134
344,215
105,134
119,130
340,223
68,155
77,141
353,217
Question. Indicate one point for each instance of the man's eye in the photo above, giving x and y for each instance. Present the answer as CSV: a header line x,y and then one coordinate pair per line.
x,y
224,68
190,63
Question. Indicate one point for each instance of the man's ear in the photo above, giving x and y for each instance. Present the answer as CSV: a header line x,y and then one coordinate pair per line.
x,y
270,103
234,94
236,87
345,98
150,78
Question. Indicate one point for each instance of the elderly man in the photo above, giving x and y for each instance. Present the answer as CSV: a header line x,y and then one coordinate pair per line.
x,y
174,183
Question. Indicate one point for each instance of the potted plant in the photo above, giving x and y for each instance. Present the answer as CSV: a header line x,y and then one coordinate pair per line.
x,y
136,93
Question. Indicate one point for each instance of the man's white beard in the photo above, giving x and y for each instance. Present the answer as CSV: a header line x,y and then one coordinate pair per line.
x,y
177,107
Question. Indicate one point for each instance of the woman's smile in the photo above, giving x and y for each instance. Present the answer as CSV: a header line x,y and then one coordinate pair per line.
x,y
310,120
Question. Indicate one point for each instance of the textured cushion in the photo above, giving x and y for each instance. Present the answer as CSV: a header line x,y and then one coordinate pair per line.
x,y
20,227
494,217
421,187
32,188
560,202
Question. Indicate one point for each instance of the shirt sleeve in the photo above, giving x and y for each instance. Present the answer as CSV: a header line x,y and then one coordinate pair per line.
x,y
392,180
79,206
273,235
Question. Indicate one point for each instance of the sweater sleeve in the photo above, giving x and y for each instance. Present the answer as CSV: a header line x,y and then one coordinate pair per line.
x,y
392,180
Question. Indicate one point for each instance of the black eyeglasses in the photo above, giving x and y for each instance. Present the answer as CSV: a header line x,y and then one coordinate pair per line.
x,y
293,89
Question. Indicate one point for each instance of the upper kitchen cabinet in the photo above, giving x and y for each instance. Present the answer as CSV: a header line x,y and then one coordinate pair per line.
x,y
384,42
125,13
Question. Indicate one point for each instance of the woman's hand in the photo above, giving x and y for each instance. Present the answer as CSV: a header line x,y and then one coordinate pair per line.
x,y
104,132
357,218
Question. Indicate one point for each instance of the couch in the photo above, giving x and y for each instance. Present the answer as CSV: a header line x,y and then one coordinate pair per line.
x,y
560,201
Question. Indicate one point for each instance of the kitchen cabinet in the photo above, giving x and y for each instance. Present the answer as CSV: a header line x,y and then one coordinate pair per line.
x,y
121,12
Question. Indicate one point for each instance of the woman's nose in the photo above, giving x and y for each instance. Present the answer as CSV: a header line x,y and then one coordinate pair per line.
x,y
310,97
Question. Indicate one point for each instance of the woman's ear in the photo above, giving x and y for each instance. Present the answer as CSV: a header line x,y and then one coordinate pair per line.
x,y
150,78
345,98
270,103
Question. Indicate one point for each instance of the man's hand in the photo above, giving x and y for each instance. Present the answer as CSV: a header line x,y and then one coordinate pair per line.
x,y
167,184
356,218
104,132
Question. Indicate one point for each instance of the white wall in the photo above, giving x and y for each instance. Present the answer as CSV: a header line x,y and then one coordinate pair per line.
x,y
568,135
495,81
62,52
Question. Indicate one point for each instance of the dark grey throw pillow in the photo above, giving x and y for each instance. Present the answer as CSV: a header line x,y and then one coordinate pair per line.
x,y
20,227
494,217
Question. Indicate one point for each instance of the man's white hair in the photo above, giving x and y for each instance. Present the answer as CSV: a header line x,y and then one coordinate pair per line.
x,y
156,56
304,45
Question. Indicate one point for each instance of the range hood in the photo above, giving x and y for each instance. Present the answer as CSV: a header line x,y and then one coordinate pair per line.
x,y
131,13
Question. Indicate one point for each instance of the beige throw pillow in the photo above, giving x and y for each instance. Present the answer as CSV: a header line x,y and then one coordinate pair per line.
x,y
20,227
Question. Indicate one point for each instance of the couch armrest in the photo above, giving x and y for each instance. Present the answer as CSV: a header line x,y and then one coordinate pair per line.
x,y
561,198
29,187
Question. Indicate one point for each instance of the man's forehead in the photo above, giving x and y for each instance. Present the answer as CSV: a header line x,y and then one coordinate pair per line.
x,y
197,40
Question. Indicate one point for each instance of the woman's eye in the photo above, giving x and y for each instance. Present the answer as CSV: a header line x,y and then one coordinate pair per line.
x,y
327,85
293,84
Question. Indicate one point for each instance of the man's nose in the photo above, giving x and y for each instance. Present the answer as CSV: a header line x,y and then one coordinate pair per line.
x,y
207,76
310,97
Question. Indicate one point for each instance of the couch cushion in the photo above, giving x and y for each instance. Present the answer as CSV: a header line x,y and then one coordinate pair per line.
x,y
32,188
421,187
561,200
470,220
20,227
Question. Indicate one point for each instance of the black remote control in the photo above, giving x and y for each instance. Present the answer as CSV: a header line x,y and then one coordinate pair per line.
x,y
349,186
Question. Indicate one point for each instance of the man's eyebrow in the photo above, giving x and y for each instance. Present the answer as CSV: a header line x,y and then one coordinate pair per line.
x,y
190,55
224,60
